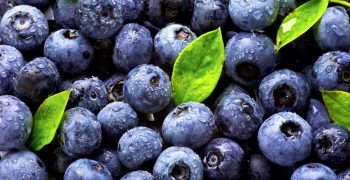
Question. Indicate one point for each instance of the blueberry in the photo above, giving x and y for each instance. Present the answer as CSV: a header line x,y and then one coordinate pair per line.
x,y
98,19
209,14
114,85
89,93
178,163
253,15
132,9
36,81
170,41
190,125
285,138
222,159
24,27
87,169
16,123
284,90
37,3
310,78
110,159
116,118
317,115
11,62
313,171
147,88
332,32
331,144
69,50
259,167
238,116
6,5
138,175
250,57
133,46
63,11
286,6
138,146
344,175
332,71
80,133
22,165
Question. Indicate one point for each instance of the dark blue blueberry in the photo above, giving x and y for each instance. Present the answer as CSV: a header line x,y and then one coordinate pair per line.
x,y
11,62
259,168
331,145
116,118
310,78
250,57
209,14
138,175
178,163
138,146
147,88
98,19
231,88
313,171
133,46
332,32
332,71
132,9
87,169
6,5
24,27
238,116
69,50
170,41
344,175
63,11
317,115
36,3
114,86
80,133
190,125
37,80
16,123
253,15
22,165
286,6
284,90
285,138
222,159
110,159
89,93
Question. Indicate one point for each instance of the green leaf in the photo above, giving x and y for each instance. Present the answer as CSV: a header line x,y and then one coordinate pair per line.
x,y
198,68
338,105
47,119
299,21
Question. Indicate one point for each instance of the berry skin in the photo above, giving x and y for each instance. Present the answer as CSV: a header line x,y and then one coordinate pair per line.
x,y
313,171
284,90
138,146
86,169
190,125
114,86
63,11
132,9
259,167
16,123
37,3
285,138
238,116
116,118
249,58
332,71
11,62
170,41
222,159
110,159
22,165
80,133
24,27
331,144
286,6
37,80
133,46
147,88
332,32
138,175
317,115
253,15
178,163
99,19
209,15
69,50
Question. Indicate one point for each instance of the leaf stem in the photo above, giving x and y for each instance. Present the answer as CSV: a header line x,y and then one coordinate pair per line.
x,y
341,2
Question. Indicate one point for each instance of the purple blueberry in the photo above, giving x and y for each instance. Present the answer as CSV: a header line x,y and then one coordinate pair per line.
x,y
314,171
317,115
138,175
110,159
87,169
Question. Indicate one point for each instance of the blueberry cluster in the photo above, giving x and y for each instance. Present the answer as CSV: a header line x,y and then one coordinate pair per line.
x,y
265,119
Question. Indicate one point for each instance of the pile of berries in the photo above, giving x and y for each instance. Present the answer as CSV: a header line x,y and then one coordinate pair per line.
x,y
265,119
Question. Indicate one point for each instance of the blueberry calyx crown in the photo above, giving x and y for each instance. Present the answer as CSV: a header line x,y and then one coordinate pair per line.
x,y
180,171
69,34
182,35
115,91
155,80
284,96
180,110
96,167
291,129
344,73
324,144
213,159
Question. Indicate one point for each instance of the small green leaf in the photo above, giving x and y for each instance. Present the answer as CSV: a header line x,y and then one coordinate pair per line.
x,y
198,68
338,105
299,21
47,119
